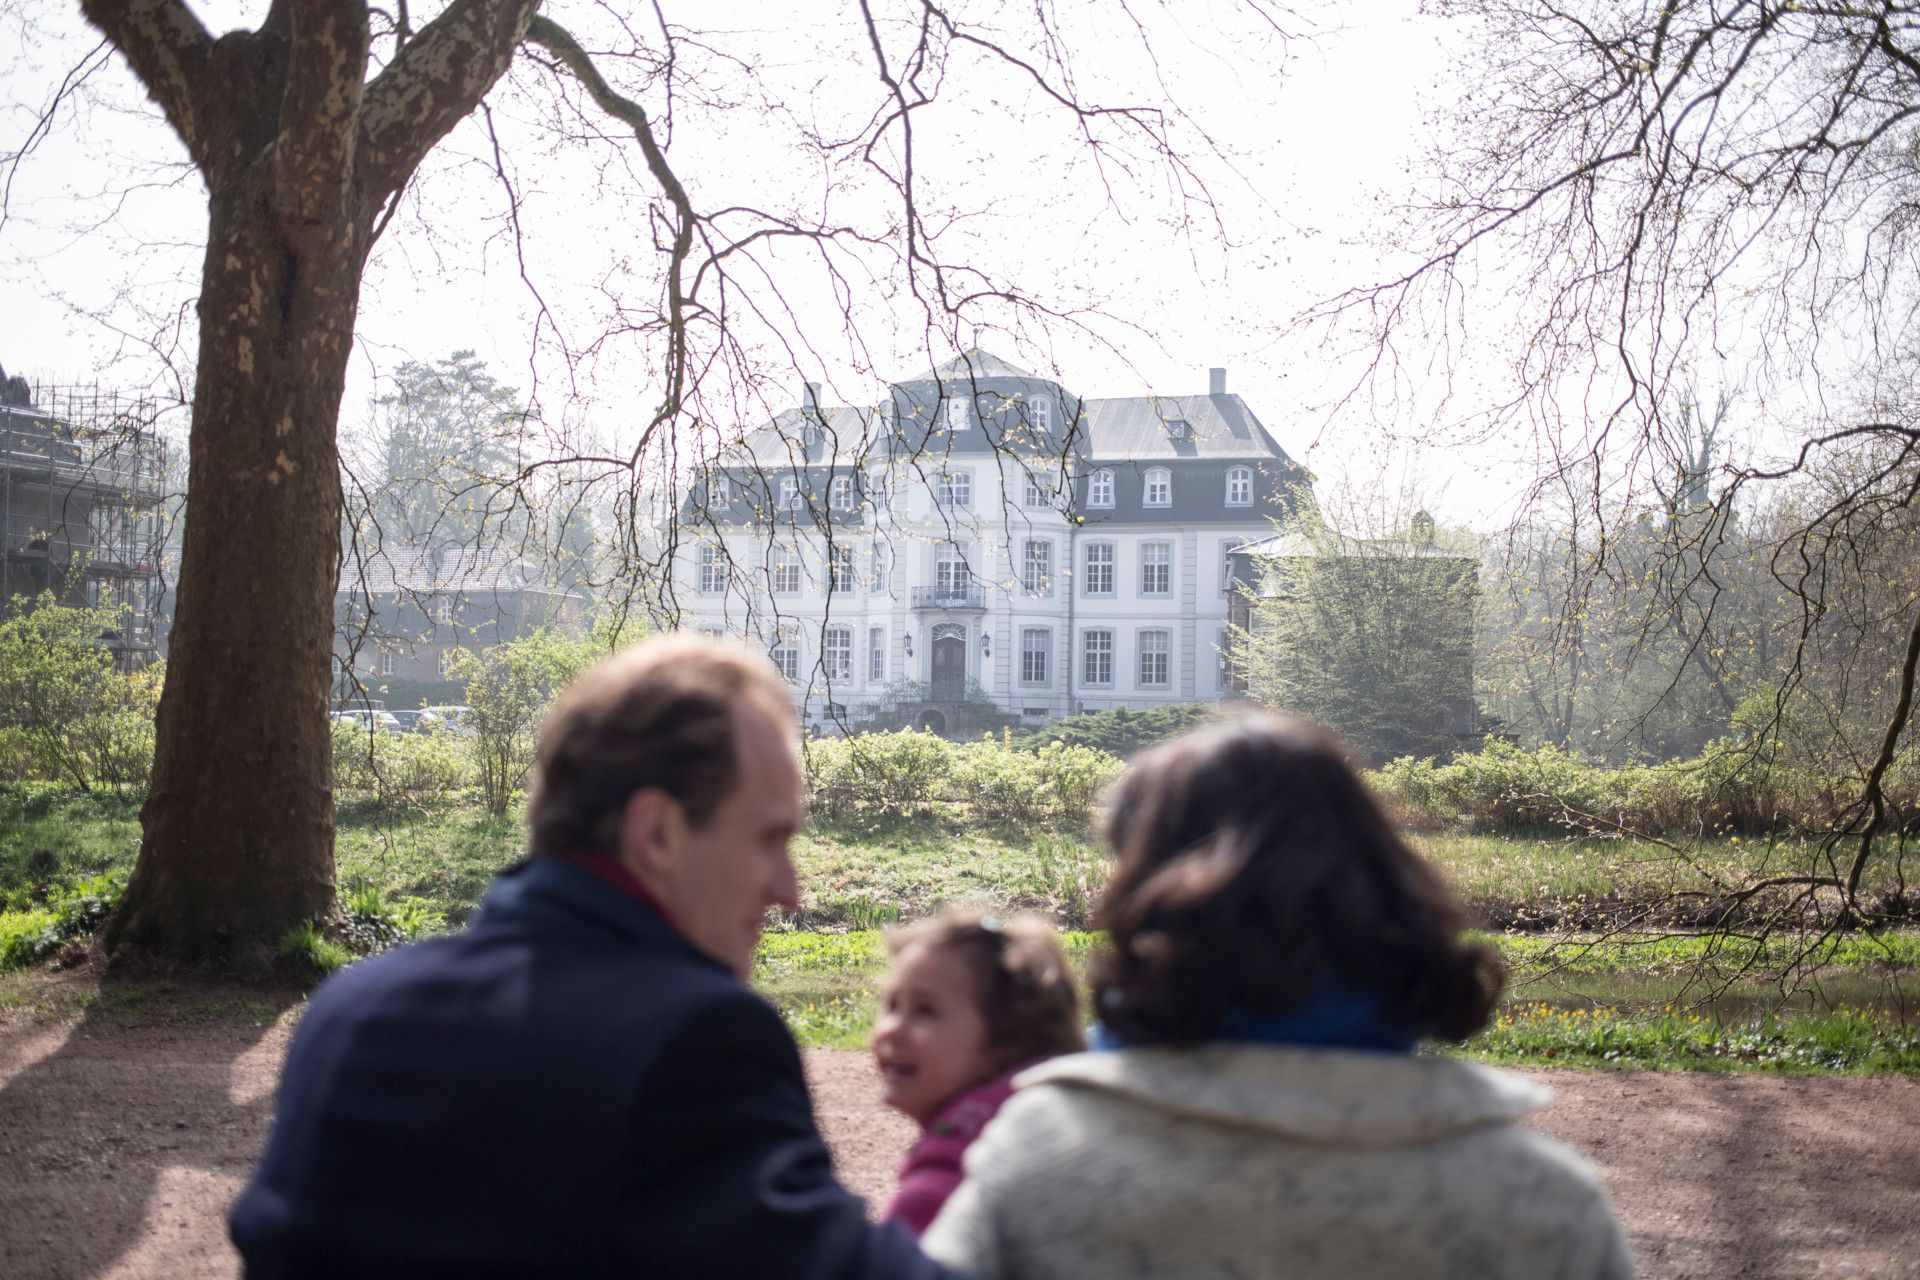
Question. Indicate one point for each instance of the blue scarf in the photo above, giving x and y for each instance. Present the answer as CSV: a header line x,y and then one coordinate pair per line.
x,y
1332,1018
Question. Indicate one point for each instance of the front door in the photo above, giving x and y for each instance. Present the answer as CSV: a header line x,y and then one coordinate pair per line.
x,y
949,664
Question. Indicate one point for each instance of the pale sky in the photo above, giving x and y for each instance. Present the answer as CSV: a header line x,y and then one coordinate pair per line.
x,y
100,213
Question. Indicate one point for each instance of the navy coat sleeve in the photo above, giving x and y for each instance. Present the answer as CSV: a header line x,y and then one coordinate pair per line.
x,y
725,1114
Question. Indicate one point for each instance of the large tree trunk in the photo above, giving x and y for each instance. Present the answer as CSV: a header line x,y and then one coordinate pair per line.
x,y
239,818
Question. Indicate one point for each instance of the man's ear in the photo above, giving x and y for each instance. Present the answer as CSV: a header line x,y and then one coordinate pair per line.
x,y
649,835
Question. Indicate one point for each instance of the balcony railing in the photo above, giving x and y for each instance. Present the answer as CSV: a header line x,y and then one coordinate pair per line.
x,y
969,595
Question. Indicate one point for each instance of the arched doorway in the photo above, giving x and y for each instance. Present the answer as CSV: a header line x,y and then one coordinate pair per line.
x,y
948,679
932,721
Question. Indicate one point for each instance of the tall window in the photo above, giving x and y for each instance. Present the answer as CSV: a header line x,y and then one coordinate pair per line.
x,y
1097,580
956,489
950,566
1226,566
386,662
786,656
1223,669
1035,497
840,569
1100,488
1156,659
789,493
786,571
958,419
1036,567
1240,486
1159,487
443,609
713,569
1156,568
840,493
1034,644
836,653
1040,413
719,490
1096,658
877,568
877,655
445,661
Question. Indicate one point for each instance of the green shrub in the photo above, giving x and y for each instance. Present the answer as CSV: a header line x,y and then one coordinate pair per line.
x,y
374,924
1120,732
396,767
67,712
27,937
308,955
38,933
879,775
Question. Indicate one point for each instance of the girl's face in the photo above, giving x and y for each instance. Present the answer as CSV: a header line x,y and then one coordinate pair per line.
x,y
931,1040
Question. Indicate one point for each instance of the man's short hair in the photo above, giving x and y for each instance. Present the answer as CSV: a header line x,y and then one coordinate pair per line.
x,y
660,714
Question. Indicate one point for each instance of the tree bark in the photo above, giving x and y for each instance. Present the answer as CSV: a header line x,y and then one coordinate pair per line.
x,y
299,153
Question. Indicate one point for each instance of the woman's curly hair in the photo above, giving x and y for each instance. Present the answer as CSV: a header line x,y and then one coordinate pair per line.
x,y
1252,868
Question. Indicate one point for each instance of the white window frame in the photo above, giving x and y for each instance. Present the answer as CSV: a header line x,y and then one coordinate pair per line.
x,y
1162,479
1149,553
713,569
1034,498
789,498
951,569
443,609
841,575
840,493
877,568
1239,486
1222,664
1040,413
386,662
719,490
1088,654
956,412
1036,572
953,490
1164,653
788,572
785,652
876,655
1100,489
1226,566
836,652
1036,657
1091,575
444,662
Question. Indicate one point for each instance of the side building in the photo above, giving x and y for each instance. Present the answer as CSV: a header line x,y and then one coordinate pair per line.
x,y
400,616
987,546
82,478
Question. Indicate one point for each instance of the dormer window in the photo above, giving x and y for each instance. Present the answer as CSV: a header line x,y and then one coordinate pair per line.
x,y
1100,488
789,493
1179,430
840,493
1040,414
719,490
958,419
1159,487
1240,486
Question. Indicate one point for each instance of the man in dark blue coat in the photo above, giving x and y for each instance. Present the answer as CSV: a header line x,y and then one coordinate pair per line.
x,y
581,1083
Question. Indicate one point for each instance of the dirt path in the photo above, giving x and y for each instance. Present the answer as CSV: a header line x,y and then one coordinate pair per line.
x,y
122,1141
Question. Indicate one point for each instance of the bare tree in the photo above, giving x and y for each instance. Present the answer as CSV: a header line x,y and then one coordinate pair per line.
x,y
307,131
1638,190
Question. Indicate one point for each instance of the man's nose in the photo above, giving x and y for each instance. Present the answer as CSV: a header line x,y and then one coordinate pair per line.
x,y
785,889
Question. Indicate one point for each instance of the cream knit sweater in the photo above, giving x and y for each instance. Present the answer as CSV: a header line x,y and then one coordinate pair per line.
x,y
1257,1160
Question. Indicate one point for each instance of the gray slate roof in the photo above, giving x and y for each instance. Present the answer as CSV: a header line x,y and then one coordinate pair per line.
x,y
976,364
1135,427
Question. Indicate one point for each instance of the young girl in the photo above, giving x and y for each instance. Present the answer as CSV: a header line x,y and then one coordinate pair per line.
x,y
971,1000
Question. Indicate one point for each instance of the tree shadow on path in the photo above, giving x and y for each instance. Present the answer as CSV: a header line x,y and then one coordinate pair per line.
x,y
125,1133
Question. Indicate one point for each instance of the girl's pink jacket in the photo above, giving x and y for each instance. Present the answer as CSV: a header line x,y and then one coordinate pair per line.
x,y
931,1170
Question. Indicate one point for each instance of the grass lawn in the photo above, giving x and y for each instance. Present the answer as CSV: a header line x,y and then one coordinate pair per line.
x,y
1576,994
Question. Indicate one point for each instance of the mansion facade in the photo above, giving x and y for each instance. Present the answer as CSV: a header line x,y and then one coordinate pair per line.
x,y
986,539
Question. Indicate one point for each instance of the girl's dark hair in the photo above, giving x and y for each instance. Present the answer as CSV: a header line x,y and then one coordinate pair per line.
x,y
1251,867
1027,993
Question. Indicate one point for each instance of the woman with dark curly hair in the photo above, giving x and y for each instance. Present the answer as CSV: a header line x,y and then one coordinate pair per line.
x,y
1256,1107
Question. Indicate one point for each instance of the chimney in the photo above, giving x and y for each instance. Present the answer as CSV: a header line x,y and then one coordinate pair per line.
x,y
1216,382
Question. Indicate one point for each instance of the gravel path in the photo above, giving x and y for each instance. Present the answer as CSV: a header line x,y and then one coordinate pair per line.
x,y
121,1142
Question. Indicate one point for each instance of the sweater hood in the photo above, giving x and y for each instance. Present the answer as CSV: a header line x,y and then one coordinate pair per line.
x,y
1328,1096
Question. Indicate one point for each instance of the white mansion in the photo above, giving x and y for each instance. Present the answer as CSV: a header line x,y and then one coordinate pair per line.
x,y
985,537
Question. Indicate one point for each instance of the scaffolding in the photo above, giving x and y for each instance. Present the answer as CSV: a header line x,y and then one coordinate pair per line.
x,y
82,481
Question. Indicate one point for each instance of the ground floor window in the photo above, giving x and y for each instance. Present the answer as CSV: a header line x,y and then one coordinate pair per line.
x,y
1156,659
1096,660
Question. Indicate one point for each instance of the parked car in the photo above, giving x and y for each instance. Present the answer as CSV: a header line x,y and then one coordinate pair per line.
x,y
452,719
370,720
